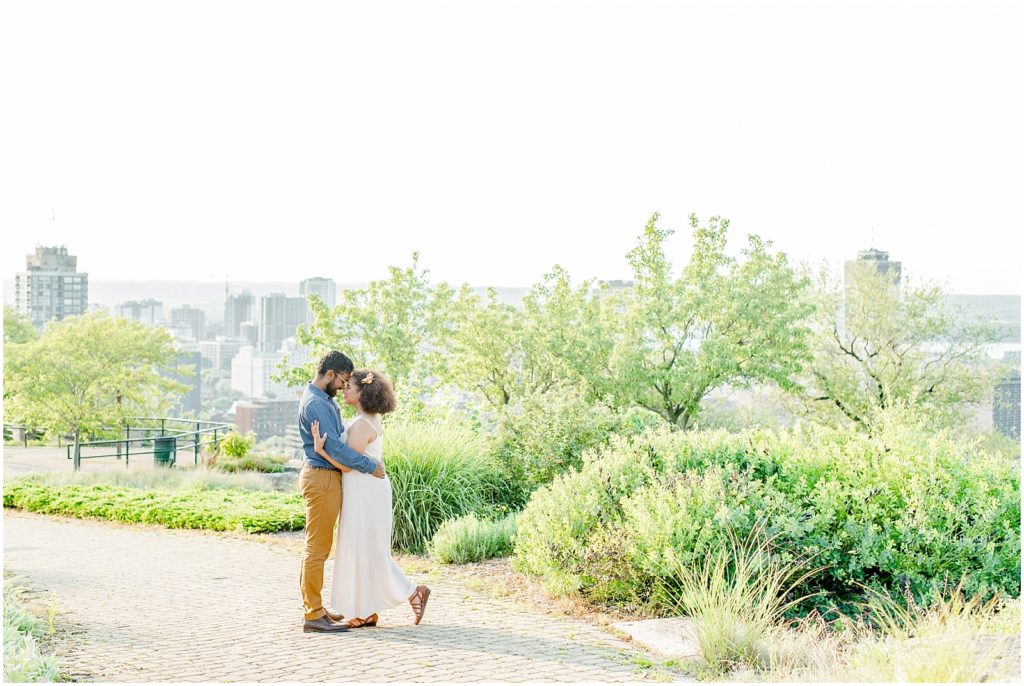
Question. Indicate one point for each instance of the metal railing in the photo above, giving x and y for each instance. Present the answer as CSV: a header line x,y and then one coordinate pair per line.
x,y
160,437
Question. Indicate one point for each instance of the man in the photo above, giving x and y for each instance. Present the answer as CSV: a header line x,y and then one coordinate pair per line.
x,y
320,483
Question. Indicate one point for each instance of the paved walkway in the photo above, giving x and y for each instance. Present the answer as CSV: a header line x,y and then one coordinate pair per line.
x,y
147,604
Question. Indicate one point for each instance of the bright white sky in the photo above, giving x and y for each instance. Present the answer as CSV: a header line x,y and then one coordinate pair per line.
x,y
279,140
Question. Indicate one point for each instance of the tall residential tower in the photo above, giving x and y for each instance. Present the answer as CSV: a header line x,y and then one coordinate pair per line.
x,y
51,287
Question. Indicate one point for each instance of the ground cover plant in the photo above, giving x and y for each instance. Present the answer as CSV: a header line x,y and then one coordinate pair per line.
x,y
471,539
23,659
218,509
900,509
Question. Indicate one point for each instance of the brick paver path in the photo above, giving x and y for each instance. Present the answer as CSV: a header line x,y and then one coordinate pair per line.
x,y
148,604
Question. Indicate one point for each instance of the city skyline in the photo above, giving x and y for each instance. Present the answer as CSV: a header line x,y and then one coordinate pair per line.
x,y
367,133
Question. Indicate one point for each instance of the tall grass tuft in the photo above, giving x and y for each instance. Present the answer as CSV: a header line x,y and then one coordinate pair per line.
x,y
438,472
470,539
737,597
952,640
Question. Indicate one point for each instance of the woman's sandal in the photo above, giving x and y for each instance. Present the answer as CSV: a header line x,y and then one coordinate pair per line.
x,y
418,600
357,623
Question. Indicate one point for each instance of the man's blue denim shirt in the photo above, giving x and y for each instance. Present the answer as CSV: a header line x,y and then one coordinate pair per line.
x,y
317,406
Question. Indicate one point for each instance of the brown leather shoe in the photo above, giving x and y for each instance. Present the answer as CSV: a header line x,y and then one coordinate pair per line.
x,y
323,625
334,616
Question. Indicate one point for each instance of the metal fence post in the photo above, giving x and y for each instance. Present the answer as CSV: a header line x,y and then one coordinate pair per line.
x,y
197,444
163,426
127,442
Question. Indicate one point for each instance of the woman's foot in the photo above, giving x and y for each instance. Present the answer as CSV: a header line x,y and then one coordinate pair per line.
x,y
418,600
356,623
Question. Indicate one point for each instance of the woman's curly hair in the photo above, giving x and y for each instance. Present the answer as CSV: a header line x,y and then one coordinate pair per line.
x,y
376,396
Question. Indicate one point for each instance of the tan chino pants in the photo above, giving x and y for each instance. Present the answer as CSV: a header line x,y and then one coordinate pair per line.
x,y
321,489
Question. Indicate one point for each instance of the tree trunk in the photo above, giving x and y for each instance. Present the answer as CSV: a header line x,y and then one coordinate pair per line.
x,y
78,451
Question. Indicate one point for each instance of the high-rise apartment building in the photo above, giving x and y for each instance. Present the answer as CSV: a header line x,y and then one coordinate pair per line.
x,y
251,372
280,315
146,311
191,318
51,287
325,289
220,351
249,333
237,310
1006,400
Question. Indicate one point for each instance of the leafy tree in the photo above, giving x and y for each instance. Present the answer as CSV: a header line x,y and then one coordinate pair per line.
x,y
722,321
17,328
88,372
507,354
484,347
398,325
566,336
879,345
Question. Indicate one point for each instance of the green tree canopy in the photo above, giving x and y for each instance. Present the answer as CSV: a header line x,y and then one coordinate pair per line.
x,y
721,321
398,325
88,372
17,328
879,345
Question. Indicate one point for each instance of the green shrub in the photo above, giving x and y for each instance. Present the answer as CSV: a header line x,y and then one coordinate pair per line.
x,y
438,472
268,464
469,539
23,661
902,509
546,434
236,445
218,509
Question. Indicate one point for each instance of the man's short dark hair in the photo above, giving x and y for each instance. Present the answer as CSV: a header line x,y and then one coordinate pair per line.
x,y
336,362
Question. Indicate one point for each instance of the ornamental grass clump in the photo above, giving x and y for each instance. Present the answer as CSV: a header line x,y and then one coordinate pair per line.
x,y
736,596
951,639
471,539
438,471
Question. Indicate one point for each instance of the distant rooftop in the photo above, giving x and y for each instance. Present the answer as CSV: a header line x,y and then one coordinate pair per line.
x,y
51,259
873,254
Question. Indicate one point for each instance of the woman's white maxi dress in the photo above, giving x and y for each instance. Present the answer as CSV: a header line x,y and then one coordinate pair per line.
x,y
366,578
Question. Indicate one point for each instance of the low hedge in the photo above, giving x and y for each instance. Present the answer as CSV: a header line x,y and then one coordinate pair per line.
x,y
901,510
215,509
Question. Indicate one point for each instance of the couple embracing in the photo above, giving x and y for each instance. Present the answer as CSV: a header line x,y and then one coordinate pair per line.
x,y
343,482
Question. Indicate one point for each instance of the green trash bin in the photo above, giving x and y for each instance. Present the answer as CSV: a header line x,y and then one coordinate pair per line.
x,y
164,451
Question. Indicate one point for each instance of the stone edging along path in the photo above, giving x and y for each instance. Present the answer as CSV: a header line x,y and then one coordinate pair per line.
x,y
151,604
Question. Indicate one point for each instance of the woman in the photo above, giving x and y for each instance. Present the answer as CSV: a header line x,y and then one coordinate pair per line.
x,y
366,577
